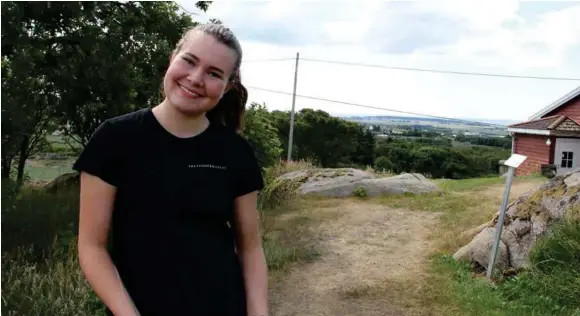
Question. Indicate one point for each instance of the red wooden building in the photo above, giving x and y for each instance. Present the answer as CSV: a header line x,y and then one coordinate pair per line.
x,y
551,136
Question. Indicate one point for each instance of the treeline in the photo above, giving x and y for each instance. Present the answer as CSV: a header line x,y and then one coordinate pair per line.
x,y
502,142
333,142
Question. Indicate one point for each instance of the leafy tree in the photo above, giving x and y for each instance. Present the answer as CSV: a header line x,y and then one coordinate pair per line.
x,y
261,132
383,163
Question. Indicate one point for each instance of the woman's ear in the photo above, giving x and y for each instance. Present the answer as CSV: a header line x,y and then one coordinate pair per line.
x,y
228,87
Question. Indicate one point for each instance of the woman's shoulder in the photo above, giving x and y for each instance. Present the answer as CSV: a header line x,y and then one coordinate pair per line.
x,y
125,124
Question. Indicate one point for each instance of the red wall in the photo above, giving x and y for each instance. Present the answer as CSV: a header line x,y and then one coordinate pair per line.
x,y
572,109
535,148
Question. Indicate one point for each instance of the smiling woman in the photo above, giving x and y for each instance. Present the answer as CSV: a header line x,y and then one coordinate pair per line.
x,y
177,188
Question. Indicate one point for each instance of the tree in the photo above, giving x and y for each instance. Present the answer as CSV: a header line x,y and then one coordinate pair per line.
x,y
76,64
103,58
261,132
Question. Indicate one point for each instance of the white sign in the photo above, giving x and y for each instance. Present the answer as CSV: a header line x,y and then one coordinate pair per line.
x,y
515,160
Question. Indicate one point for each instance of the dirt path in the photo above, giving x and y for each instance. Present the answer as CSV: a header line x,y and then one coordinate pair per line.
x,y
368,253
374,258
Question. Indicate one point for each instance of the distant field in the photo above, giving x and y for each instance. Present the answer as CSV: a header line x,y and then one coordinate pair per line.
x,y
456,127
47,170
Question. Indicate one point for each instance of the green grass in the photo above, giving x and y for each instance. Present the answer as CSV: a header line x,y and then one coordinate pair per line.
x,y
550,287
475,183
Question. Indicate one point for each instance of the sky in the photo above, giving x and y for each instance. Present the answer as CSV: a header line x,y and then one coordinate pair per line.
x,y
525,38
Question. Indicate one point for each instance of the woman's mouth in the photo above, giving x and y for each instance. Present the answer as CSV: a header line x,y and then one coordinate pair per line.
x,y
189,93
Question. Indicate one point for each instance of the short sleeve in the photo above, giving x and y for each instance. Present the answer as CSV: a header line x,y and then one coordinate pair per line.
x,y
248,172
101,156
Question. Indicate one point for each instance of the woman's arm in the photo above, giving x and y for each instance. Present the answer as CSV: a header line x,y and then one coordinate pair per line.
x,y
251,254
96,205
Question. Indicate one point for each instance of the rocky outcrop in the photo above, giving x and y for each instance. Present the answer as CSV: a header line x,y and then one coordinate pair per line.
x,y
527,219
65,181
344,181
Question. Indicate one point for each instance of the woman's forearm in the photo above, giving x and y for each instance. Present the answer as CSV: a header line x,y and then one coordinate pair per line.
x,y
255,273
103,277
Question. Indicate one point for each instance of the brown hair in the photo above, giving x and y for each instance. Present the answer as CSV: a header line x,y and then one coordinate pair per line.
x,y
229,111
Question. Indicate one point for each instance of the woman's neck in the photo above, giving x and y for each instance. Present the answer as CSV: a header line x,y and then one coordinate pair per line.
x,y
177,123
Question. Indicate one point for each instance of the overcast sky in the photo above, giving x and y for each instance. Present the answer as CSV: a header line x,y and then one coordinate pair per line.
x,y
491,36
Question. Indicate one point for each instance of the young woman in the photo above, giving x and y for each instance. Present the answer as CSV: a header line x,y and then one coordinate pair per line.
x,y
175,187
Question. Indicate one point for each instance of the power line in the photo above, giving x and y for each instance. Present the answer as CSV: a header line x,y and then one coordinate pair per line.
x,y
266,60
440,71
375,107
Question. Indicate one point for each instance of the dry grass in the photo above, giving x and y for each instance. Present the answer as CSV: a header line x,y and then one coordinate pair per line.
x,y
366,249
379,174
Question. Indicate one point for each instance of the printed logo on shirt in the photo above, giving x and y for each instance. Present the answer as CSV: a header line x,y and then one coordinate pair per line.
x,y
208,166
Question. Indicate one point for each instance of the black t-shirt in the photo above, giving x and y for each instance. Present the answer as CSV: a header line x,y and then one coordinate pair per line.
x,y
172,223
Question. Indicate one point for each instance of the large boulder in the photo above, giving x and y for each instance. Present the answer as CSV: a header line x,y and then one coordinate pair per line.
x,y
342,182
64,182
527,219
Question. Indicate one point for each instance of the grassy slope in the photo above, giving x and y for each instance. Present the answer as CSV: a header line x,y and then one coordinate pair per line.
x,y
452,290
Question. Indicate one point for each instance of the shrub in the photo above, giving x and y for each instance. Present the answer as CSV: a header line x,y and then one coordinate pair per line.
x,y
360,192
35,219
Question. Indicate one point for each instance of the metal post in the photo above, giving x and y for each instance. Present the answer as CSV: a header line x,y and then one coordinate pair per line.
x,y
291,135
499,226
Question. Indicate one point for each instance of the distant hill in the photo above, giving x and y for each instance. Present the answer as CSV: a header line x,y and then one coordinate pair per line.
x,y
426,119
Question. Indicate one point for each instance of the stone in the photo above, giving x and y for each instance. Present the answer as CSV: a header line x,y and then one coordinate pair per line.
x,y
479,250
527,219
342,182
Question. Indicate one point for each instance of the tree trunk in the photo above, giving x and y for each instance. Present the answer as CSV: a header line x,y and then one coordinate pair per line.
x,y
6,166
22,160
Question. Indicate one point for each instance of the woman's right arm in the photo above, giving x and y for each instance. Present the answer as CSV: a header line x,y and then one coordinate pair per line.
x,y
96,207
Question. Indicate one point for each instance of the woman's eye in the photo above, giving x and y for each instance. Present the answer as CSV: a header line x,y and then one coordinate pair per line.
x,y
215,74
189,61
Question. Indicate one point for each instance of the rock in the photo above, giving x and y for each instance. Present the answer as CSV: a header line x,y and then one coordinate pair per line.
x,y
344,181
66,180
572,180
479,250
470,233
527,219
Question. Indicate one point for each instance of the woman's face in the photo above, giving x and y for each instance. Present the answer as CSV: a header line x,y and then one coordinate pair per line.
x,y
198,74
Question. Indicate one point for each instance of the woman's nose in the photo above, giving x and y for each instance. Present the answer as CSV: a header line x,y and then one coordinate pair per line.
x,y
196,76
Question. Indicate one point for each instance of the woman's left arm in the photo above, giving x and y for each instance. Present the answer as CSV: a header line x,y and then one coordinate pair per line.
x,y
251,254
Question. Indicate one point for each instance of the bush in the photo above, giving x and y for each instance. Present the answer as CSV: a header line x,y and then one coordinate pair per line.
x,y
383,163
37,219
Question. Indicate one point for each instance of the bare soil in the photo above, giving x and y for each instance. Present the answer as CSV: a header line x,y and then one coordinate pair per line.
x,y
368,251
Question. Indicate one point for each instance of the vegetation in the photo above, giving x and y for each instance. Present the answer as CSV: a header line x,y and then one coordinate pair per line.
x,y
550,287
60,53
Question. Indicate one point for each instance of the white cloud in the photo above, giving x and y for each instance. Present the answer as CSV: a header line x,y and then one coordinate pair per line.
x,y
492,36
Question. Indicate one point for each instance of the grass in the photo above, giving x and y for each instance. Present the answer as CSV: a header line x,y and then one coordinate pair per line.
x,y
550,287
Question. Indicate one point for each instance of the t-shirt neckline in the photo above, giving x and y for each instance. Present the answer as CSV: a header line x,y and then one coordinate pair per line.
x,y
170,135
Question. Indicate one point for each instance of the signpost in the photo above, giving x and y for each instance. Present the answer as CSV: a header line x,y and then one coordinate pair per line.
x,y
513,162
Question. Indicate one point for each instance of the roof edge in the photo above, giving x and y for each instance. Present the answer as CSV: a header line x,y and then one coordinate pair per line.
x,y
556,104
529,131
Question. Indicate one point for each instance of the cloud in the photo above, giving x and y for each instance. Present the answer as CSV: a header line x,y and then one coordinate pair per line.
x,y
495,36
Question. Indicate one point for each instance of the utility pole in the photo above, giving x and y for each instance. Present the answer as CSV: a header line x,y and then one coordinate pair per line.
x,y
291,135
